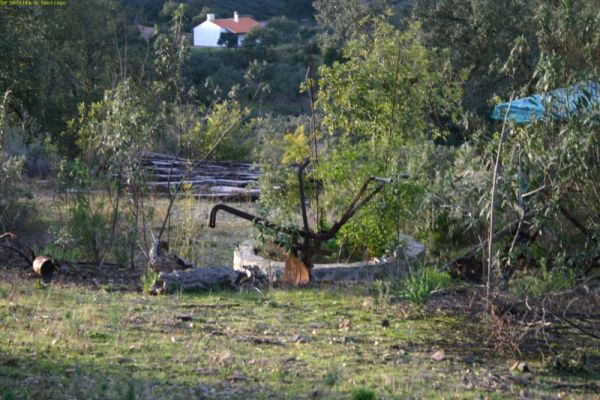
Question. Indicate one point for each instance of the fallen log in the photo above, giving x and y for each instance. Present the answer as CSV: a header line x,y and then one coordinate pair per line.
x,y
207,278
177,274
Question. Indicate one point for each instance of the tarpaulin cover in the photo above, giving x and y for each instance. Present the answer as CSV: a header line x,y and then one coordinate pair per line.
x,y
557,104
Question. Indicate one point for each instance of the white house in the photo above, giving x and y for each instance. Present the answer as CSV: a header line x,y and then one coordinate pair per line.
x,y
207,34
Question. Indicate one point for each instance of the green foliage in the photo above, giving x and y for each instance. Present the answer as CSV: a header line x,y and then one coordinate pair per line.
x,y
344,20
218,132
171,51
375,112
363,394
271,88
479,35
542,282
484,35
278,31
12,209
85,232
422,283
154,11
112,133
148,279
73,54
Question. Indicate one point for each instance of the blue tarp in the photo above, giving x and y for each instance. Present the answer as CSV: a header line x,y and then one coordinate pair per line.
x,y
557,104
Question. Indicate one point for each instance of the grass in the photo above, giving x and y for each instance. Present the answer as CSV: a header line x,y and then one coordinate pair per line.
x,y
70,341
58,342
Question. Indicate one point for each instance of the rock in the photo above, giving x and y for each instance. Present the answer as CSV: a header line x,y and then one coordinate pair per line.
x,y
298,339
438,355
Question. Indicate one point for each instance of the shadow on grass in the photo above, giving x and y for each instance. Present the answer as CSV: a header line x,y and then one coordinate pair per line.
x,y
42,377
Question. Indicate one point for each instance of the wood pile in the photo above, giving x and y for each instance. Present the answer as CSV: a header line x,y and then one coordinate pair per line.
x,y
223,180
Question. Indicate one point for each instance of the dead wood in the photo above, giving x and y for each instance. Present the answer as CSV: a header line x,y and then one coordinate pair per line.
x,y
177,274
10,241
207,278
207,179
210,305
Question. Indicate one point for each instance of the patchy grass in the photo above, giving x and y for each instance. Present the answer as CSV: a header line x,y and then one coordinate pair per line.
x,y
79,338
65,342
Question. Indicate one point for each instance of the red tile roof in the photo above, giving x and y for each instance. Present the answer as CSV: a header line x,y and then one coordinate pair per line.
x,y
243,26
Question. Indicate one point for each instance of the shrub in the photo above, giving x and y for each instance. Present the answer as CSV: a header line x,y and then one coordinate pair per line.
x,y
544,281
363,394
422,283
148,279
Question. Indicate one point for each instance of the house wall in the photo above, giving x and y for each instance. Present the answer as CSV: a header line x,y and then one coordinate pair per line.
x,y
207,34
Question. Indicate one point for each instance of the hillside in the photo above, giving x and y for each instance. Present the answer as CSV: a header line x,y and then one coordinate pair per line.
x,y
150,10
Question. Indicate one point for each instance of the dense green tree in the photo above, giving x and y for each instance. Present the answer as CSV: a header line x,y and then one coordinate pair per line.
x,y
342,20
375,116
482,35
56,57
11,169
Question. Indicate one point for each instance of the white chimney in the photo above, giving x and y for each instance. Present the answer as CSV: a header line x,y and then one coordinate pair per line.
x,y
236,16
210,17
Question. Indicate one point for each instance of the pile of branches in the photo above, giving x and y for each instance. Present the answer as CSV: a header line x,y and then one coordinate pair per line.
x,y
531,324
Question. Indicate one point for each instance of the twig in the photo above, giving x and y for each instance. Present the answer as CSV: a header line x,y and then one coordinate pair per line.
x,y
313,127
19,252
209,305
503,137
